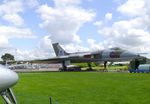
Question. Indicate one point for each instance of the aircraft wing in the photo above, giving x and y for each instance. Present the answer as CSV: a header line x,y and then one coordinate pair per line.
x,y
77,59
73,59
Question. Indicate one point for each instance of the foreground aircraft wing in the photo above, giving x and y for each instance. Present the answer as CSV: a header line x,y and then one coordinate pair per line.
x,y
8,79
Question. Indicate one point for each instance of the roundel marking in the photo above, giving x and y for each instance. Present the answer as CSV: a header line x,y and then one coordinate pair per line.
x,y
114,54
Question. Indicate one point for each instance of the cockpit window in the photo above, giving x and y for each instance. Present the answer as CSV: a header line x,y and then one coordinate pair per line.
x,y
116,49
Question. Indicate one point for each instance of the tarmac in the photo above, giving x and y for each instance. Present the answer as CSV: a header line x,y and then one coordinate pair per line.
x,y
57,70
38,70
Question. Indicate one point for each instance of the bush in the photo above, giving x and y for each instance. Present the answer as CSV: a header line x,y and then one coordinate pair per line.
x,y
83,65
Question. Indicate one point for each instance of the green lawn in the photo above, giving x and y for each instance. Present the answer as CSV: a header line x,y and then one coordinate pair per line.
x,y
83,88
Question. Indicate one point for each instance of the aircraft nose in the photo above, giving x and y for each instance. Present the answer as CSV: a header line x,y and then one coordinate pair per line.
x,y
13,76
8,78
129,54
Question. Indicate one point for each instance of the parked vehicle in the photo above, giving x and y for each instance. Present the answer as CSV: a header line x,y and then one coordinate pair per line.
x,y
143,68
71,68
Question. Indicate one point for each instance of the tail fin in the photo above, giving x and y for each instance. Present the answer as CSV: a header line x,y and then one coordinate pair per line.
x,y
59,51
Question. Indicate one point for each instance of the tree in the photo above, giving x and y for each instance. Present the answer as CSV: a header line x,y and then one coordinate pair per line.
x,y
7,57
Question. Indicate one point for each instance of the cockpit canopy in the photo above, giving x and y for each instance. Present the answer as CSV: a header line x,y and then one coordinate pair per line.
x,y
116,49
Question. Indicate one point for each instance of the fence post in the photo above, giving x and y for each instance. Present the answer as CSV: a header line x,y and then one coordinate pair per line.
x,y
50,100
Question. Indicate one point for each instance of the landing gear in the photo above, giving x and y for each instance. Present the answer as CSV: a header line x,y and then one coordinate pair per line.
x,y
134,64
105,66
9,97
64,66
89,66
137,63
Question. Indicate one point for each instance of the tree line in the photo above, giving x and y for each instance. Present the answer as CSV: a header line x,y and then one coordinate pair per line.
x,y
7,57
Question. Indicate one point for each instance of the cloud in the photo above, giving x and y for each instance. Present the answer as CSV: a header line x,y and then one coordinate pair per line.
x,y
13,26
11,6
63,22
14,19
7,33
133,7
124,32
4,41
93,45
31,3
13,32
9,11
108,16
75,48
64,3
131,33
43,50
45,44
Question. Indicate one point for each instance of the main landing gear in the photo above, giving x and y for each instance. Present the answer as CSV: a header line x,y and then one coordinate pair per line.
x,y
9,96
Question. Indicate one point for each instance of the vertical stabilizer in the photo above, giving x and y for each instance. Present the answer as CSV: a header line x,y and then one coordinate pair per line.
x,y
59,51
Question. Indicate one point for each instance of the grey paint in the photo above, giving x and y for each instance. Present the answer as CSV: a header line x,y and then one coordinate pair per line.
x,y
113,54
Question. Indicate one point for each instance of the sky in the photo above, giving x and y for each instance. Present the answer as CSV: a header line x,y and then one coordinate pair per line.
x,y
29,27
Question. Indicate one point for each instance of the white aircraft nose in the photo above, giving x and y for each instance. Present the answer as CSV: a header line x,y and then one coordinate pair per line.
x,y
8,78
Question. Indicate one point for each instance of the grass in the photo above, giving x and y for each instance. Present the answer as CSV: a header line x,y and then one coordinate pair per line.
x,y
83,88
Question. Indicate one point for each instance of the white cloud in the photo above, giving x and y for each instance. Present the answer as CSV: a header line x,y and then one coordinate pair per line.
x,y
7,33
93,45
98,24
14,19
122,32
4,41
31,3
132,33
25,54
45,44
10,10
63,22
108,16
43,50
13,27
133,7
64,3
13,6
13,32
75,48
